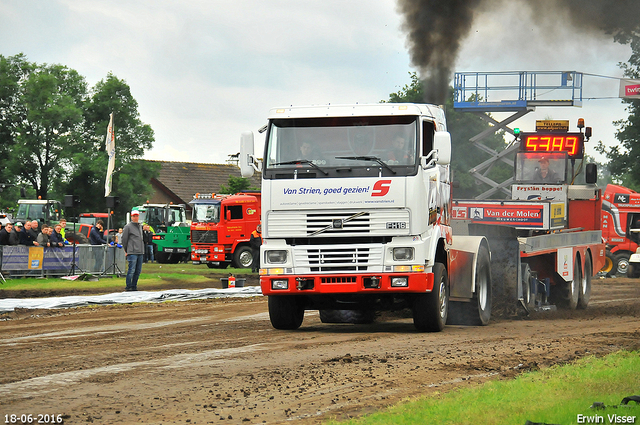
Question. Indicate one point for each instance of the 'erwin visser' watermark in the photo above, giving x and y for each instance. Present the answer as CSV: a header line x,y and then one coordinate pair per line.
x,y
606,419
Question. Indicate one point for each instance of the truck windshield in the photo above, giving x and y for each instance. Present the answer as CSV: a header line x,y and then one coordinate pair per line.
x,y
206,212
155,216
32,212
336,143
541,167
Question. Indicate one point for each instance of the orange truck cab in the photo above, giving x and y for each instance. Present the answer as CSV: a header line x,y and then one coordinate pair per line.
x,y
221,227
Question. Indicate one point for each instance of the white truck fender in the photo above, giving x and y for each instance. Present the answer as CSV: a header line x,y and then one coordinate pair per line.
x,y
463,258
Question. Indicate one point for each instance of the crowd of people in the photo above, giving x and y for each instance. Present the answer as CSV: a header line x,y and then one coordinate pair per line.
x,y
32,233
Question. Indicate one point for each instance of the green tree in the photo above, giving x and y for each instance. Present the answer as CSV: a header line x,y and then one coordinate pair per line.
x,y
52,136
131,178
624,159
464,156
42,120
236,184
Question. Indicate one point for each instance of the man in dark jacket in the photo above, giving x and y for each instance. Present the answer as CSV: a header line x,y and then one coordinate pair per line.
x,y
133,245
56,238
147,236
26,235
4,234
95,237
256,241
14,237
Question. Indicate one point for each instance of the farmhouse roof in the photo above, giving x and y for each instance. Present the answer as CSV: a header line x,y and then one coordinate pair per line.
x,y
181,180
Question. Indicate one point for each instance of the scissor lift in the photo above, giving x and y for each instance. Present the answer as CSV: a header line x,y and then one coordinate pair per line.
x,y
519,92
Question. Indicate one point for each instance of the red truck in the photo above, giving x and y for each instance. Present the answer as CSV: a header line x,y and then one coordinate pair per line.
x,y
620,212
221,227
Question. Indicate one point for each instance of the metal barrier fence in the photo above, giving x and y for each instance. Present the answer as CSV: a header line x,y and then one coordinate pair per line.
x,y
37,261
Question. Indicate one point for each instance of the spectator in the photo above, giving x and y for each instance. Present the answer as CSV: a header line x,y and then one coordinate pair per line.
x,y
63,225
35,227
133,245
96,236
43,236
14,237
147,236
56,238
5,233
255,241
26,235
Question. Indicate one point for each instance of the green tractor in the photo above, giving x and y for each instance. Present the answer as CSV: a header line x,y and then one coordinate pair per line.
x,y
172,232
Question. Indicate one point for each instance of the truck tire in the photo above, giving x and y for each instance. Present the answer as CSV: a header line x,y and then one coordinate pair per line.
x,y
243,257
528,295
569,292
285,312
621,264
430,310
162,257
220,265
607,269
634,270
585,284
476,312
347,316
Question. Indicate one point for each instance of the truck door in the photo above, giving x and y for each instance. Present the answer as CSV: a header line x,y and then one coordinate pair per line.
x,y
235,224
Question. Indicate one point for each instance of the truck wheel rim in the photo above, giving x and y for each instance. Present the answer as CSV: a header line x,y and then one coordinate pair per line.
x,y
482,291
623,266
246,259
443,298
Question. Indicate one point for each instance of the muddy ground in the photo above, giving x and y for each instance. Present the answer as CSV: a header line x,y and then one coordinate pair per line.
x,y
220,361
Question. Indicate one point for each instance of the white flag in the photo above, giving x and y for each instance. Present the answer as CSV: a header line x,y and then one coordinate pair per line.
x,y
110,147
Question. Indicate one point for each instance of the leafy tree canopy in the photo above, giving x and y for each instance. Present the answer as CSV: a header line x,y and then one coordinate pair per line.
x,y
624,159
52,136
236,184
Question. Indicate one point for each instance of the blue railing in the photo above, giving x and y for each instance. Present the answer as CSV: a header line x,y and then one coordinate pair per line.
x,y
514,90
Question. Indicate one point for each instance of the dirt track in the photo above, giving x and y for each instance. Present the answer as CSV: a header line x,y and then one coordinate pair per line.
x,y
219,361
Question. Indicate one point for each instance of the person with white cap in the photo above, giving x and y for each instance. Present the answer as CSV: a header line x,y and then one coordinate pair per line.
x,y
133,245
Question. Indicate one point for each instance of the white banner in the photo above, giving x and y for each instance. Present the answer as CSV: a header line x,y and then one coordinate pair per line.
x,y
110,147
629,89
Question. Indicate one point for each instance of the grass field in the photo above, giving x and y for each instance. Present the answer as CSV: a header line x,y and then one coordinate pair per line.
x,y
154,275
558,395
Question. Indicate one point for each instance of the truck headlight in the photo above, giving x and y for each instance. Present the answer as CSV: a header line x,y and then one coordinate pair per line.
x,y
279,284
402,254
276,256
400,281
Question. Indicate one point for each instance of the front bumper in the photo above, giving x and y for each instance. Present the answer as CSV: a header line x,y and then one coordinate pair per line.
x,y
370,283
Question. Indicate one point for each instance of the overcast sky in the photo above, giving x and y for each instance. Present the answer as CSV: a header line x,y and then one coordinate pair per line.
x,y
204,71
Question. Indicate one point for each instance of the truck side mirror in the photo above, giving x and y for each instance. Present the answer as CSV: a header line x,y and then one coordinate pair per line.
x,y
442,144
591,173
245,161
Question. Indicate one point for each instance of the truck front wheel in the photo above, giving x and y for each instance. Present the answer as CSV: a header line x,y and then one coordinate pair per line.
x,y
585,284
476,312
430,310
285,312
243,257
570,291
621,264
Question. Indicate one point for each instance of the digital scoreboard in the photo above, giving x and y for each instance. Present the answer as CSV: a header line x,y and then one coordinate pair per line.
x,y
571,143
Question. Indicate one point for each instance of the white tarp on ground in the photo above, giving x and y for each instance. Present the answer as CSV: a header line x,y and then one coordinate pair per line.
x,y
10,304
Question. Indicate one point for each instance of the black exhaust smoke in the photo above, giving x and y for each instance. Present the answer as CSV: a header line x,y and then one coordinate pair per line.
x,y
436,28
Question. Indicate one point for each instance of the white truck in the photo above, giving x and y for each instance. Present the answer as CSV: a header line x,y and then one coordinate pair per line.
x,y
359,220
357,217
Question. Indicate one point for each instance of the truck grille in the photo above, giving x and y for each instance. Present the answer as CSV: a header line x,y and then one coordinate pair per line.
x,y
296,224
204,236
337,258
